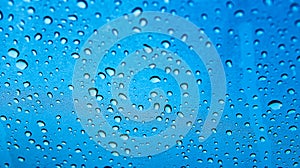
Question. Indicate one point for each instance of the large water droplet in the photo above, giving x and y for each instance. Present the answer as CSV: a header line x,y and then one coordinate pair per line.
x,y
275,104
14,53
21,64
82,4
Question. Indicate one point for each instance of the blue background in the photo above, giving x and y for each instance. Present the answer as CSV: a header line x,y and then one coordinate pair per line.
x,y
258,42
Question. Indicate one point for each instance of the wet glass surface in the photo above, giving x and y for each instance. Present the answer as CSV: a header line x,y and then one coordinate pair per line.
x,y
171,83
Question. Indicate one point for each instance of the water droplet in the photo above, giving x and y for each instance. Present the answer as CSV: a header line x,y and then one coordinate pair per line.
x,y
110,71
268,2
184,86
1,15
293,128
229,132
28,133
291,91
50,95
21,159
148,49
72,17
75,55
21,64
14,53
259,32
155,79
82,4
229,63
275,104
297,23
3,118
239,13
124,137
102,133
113,144
168,109
166,44
137,11
93,92
117,119
78,150
294,7
101,75
122,96
26,84
41,123
47,20
143,22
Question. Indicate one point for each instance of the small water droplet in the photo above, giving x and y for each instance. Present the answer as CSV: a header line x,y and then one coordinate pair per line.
x,y
239,13
168,108
229,63
268,2
124,137
110,71
102,133
137,11
229,132
166,44
47,20
148,49
155,79
41,123
93,92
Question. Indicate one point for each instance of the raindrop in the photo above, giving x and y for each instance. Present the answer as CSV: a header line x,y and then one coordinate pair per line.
x,y
294,7
124,137
3,118
14,53
229,132
268,2
155,79
93,92
47,20
137,11
110,71
21,64
291,91
147,49
168,108
26,84
82,4
165,43
41,123
229,63
50,95
72,17
75,55
102,133
21,159
239,13
293,128
28,134
297,23
275,104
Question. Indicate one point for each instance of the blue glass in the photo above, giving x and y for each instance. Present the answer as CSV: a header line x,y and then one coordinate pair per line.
x,y
170,83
